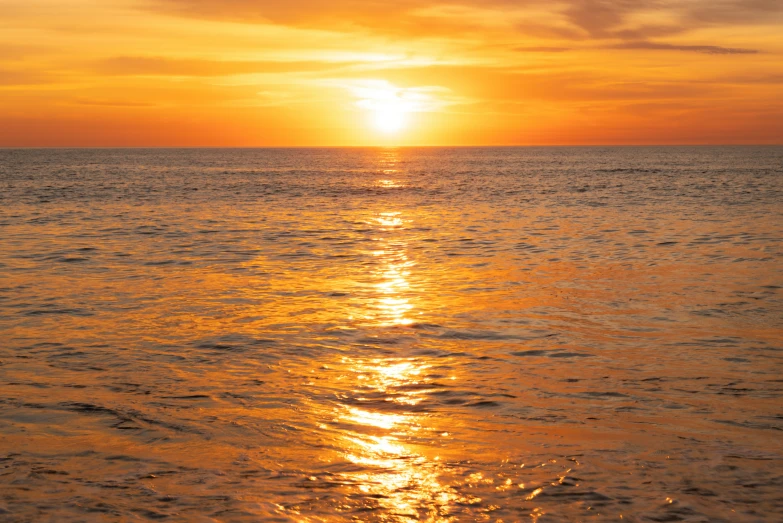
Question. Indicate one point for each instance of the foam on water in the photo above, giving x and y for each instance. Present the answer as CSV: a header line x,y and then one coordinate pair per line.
x,y
563,334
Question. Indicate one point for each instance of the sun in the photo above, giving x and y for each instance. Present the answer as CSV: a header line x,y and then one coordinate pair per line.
x,y
389,108
389,116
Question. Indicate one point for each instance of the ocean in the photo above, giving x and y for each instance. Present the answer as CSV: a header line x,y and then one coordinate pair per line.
x,y
391,334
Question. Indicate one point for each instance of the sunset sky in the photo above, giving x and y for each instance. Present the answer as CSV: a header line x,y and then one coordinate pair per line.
x,y
406,72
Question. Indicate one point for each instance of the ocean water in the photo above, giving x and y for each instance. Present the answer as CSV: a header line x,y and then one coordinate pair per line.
x,y
391,335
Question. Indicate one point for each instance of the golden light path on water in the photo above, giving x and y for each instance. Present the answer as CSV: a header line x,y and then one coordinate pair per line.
x,y
404,480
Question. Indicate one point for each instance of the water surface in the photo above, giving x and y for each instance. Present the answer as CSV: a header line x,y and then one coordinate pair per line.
x,y
510,334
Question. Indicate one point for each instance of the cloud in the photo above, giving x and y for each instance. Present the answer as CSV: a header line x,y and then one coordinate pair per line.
x,y
566,20
705,49
160,66
647,45
21,52
734,12
761,79
112,103
25,78
292,12
542,49
641,19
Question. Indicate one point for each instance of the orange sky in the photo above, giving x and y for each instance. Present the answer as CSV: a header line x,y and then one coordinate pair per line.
x,y
373,72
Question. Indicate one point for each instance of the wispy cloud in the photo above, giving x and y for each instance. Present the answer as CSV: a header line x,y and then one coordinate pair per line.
x,y
25,77
162,66
705,49
542,49
581,19
112,103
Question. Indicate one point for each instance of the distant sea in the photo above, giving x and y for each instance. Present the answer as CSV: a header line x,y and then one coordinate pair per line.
x,y
391,335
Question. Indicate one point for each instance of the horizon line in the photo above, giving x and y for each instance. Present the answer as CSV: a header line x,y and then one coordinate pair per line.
x,y
382,146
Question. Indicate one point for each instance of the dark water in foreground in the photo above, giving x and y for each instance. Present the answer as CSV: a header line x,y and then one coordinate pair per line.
x,y
552,334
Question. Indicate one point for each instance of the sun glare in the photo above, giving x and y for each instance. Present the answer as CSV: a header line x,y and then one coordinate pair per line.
x,y
389,108
390,117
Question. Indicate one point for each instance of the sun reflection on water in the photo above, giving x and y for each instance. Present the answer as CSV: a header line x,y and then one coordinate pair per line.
x,y
400,382
385,424
389,219
390,300
388,161
373,419
406,484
